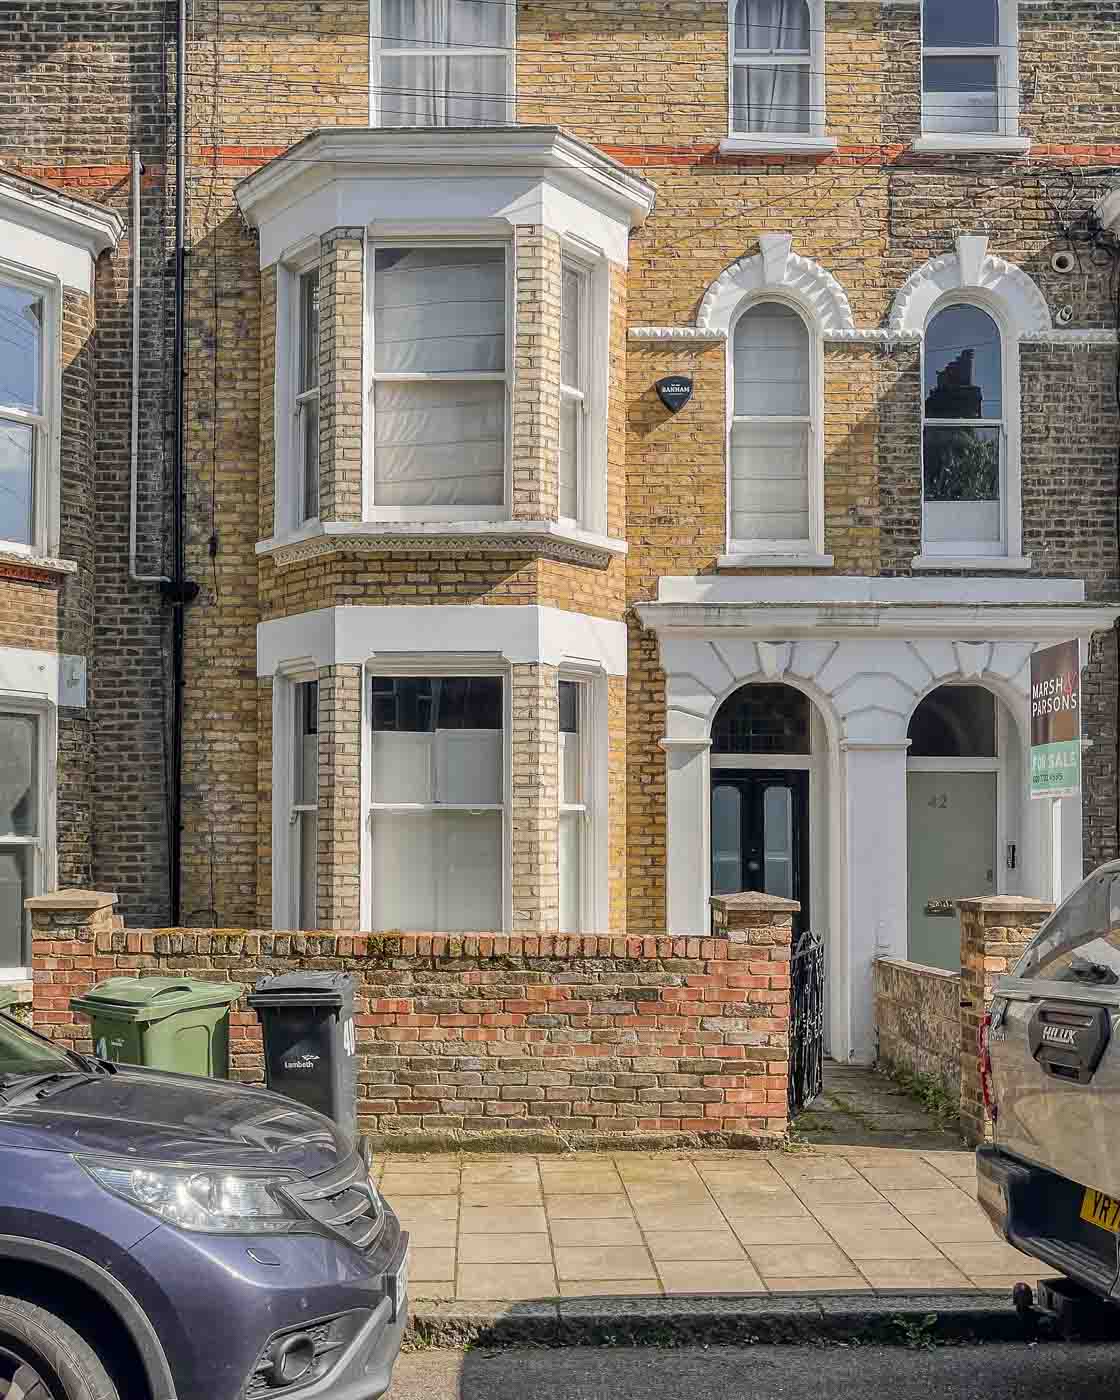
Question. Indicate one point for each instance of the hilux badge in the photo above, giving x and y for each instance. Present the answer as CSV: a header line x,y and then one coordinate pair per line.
x,y
674,391
1060,1035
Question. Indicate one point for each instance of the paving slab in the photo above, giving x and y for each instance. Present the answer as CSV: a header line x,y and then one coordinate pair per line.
x,y
868,1210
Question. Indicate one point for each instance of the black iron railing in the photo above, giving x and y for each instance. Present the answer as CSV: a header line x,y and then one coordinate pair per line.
x,y
806,1030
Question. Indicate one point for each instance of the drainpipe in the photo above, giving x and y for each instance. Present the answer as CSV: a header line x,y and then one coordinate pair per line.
x,y
179,590
134,444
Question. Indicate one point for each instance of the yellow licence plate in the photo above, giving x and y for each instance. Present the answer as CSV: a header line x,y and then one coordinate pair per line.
x,y
1102,1210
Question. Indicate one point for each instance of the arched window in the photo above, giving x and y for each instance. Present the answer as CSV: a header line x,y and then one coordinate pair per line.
x,y
773,433
772,69
762,719
964,434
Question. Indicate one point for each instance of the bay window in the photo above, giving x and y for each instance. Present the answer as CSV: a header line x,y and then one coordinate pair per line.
x,y
441,62
438,802
574,753
964,434
24,446
22,822
304,815
574,393
440,382
307,397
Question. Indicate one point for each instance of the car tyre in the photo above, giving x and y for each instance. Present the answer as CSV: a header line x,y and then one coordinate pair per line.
x,y
42,1358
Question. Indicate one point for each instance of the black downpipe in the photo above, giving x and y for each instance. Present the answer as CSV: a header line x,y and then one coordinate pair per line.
x,y
181,590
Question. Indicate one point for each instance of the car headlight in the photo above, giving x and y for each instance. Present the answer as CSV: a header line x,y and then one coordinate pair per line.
x,y
214,1201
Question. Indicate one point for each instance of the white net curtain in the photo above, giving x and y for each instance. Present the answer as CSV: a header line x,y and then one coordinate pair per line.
x,y
435,68
439,428
771,67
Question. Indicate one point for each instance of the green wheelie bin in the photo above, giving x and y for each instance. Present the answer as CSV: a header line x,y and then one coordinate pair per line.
x,y
173,1023
8,997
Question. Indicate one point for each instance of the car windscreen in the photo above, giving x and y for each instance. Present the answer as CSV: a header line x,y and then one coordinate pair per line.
x,y
24,1053
1080,942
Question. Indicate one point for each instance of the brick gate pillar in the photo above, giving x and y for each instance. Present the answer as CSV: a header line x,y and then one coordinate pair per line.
x,y
994,932
756,1010
65,927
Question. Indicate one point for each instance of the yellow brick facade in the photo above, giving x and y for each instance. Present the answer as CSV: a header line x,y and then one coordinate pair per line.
x,y
648,86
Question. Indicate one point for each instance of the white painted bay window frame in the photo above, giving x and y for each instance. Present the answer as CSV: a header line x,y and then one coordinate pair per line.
x,y
42,846
286,808
591,810
966,553
502,113
782,551
435,665
291,401
430,238
46,422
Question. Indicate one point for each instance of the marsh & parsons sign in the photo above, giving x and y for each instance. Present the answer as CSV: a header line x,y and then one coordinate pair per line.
x,y
1056,721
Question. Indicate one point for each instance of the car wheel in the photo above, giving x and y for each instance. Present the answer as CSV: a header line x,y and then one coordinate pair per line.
x,y
41,1358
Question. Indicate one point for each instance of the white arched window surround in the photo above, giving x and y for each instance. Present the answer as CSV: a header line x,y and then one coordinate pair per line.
x,y
766,550
1010,543
1005,292
776,273
807,134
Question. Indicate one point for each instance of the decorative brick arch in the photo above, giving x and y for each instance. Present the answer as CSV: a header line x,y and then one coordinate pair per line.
x,y
776,268
971,266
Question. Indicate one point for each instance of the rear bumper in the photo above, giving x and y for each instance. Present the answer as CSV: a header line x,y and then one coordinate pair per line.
x,y
1036,1211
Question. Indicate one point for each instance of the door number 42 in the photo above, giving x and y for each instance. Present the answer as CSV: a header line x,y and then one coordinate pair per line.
x,y
940,800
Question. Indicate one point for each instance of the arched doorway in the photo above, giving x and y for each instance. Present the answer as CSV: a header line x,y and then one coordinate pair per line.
x,y
766,787
962,814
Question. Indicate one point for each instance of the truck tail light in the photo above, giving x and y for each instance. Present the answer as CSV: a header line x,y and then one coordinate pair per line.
x,y
987,1087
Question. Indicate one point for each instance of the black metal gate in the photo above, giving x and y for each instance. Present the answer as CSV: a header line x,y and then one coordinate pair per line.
x,y
806,1028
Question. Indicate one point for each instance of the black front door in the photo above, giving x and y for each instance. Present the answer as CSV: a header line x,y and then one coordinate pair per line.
x,y
760,834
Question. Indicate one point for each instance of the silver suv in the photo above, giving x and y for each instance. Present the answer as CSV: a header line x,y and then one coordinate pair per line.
x,y
1050,1071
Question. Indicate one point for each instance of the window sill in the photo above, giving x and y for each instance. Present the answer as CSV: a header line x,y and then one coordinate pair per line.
x,y
546,539
774,561
13,560
975,563
965,143
777,145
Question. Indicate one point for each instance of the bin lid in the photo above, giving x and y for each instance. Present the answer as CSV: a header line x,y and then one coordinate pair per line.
x,y
153,998
303,989
9,996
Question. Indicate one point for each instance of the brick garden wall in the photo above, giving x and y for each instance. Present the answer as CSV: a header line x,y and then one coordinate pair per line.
x,y
917,1020
588,1038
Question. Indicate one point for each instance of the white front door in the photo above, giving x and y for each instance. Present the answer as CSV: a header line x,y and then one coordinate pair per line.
x,y
952,855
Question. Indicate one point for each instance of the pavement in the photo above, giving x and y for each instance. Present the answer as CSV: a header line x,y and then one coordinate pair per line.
x,y
875,1199
1010,1371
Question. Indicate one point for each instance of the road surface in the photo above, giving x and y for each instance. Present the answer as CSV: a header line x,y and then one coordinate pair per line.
x,y
1004,1372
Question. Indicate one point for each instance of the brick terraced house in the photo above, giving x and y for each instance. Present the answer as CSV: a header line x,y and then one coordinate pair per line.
x,y
493,633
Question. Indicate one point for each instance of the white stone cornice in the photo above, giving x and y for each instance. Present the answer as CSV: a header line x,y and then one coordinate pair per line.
x,y
1086,339
345,153
1107,209
49,211
818,621
1016,294
669,334
777,269
882,336
352,634
544,539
